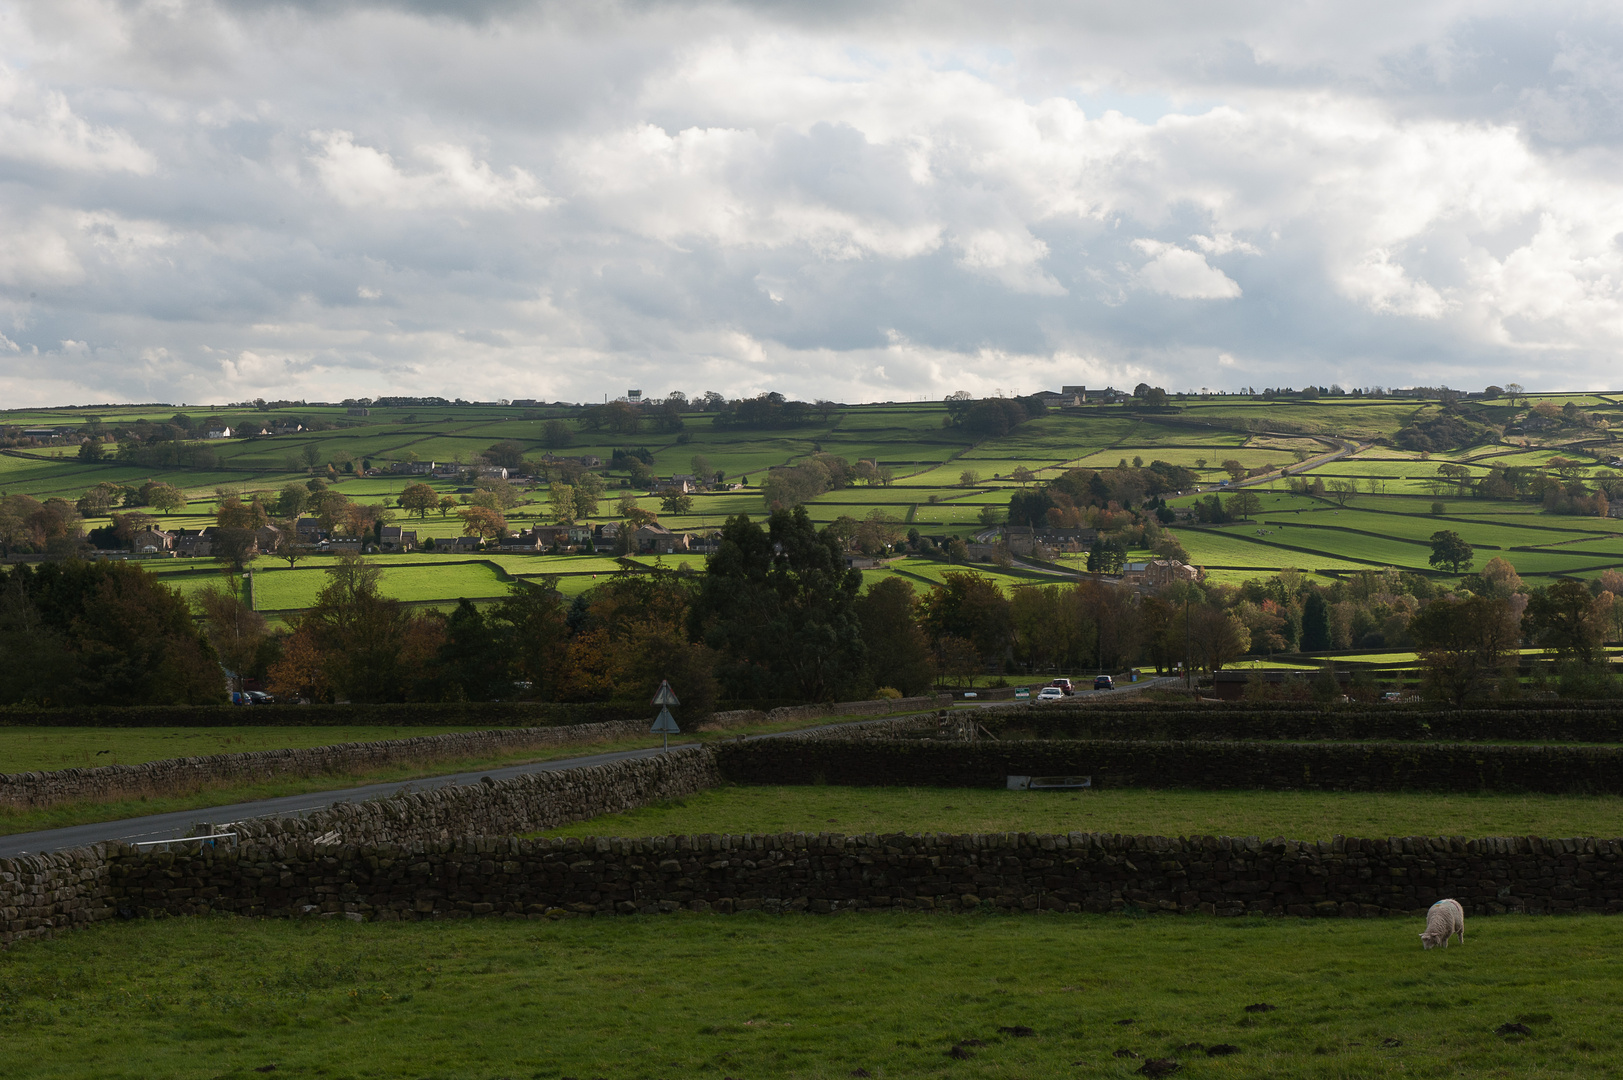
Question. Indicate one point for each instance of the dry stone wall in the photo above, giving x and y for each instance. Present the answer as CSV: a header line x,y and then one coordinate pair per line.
x,y
1272,766
828,872
174,776
41,894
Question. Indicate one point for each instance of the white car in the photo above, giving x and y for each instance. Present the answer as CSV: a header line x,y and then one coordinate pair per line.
x,y
1050,693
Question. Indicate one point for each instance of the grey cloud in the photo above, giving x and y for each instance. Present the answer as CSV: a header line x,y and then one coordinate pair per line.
x,y
842,201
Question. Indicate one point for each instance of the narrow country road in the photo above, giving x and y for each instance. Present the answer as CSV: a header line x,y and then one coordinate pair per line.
x,y
180,822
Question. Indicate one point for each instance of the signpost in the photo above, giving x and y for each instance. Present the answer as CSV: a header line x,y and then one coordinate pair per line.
x,y
665,724
1023,694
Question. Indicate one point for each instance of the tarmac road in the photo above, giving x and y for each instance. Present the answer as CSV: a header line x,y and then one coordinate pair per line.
x,y
181,822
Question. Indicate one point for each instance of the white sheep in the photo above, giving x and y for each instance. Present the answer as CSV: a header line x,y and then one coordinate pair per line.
x,y
1445,919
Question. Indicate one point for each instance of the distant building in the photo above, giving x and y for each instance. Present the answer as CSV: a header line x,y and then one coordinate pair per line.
x,y
396,539
218,433
154,540
634,396
492,472
358,410
1158,572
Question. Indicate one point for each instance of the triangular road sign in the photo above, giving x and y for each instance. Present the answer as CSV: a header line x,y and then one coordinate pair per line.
x,y
665,724
665,696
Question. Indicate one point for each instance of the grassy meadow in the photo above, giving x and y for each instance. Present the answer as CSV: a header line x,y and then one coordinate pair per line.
x,y
863,994
1386,523
1296,815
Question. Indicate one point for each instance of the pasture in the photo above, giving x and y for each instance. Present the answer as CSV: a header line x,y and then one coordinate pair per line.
x,y
864,994
1295,815
1386,523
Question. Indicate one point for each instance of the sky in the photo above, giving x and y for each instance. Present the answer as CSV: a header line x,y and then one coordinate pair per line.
x,y
217,200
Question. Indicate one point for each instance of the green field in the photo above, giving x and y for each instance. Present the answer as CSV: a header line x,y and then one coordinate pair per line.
x,y
1296,815
881,995
1387,527
32,749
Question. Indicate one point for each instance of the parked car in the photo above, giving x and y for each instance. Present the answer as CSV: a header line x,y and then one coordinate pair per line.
x,y
1104,682
258,697
1050,693
1063,685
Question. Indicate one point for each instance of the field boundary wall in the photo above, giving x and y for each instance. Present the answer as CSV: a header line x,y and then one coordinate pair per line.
x,y
815,873
1596,725
1274,766
41,894
173,776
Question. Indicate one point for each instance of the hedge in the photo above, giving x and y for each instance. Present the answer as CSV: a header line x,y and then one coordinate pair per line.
x,y
1323,766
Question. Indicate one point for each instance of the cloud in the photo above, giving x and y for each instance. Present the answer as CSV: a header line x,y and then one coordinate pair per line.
x,y
449,176
1176,271
39,127
226,199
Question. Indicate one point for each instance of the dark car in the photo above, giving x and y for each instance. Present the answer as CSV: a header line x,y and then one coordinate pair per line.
x,y
1104,682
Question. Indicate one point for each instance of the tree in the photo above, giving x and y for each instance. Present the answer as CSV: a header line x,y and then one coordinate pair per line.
x,y
287,543
536,620
898,650
1437,509
1106,557
103,633
674,500
447,504
562,498
588,490
1235,470
1463,645
1449,549
701,467
293,499
1315,623
972,606
310,454
419,499
236,630
778,605
1568,620
555,435
91,450
968,478
484,522
164,497
358,634
506,454
1342,490
474,658
98,500
1244,505
1216,636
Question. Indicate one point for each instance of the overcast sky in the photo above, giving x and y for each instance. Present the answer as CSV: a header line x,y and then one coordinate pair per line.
x,y
209,201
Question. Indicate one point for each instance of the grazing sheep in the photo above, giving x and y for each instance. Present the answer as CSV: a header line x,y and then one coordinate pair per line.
x,y
1445,919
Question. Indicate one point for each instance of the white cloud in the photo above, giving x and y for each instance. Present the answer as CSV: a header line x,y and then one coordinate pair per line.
x,y
1176,271
39,127
226,199
449,176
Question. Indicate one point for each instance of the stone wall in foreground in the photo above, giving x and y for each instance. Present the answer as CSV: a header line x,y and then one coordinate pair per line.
x,y
827,872
40,894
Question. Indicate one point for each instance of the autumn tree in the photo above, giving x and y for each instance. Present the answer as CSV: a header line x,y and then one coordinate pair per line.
x,y
1464,644
484,522
419,499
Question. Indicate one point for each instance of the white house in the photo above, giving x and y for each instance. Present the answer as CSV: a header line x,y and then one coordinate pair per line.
x,y
218,433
